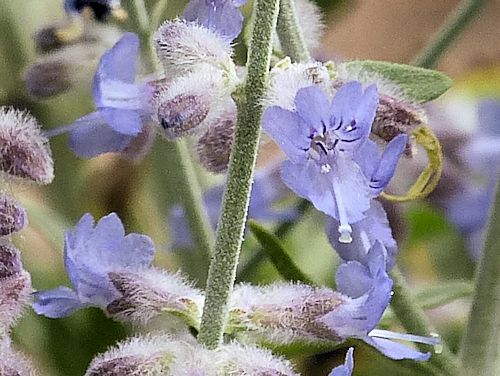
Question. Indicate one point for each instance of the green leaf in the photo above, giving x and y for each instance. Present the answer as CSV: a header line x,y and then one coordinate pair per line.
x,y
419,84
276,252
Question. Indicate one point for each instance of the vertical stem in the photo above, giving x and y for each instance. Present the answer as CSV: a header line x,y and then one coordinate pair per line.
x,y
222,270
289,33
452,28
480,351
413,319
189,186
192,199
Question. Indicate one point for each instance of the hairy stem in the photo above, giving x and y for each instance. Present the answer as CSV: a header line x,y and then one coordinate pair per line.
x,y
188,184
452,28
480,351
289,33
413,319
222,271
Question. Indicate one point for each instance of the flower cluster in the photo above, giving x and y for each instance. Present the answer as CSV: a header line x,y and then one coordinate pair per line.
x,y
24,158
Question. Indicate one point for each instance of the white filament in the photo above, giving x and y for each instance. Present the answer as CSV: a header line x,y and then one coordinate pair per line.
x,y
344,228
433,341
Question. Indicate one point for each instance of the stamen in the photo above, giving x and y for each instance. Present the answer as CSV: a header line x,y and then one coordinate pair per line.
x,y
344,228
64,129
326,168
432,341
365,240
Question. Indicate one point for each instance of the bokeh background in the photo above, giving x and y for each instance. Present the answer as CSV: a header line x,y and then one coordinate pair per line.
x,y
432,250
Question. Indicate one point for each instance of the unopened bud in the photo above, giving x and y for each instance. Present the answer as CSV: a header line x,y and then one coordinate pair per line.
x,y
148,294
147,355
181,115
182,46
214,147
192,102
46,79
24,151
283,312
239,360
13,217
12,363
395,117
15,285
287,78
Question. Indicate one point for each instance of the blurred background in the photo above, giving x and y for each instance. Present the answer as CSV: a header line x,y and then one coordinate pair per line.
x,y
436,246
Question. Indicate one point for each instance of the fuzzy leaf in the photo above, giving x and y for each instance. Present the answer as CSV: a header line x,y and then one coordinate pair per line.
x,y
277,254
419,84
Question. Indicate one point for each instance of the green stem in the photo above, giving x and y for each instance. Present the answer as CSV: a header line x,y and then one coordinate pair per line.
x,y
222,270
413,319
192,200
452,28
289,33
480,351
187,181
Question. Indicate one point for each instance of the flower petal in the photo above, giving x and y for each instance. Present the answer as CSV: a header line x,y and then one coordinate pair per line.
x,y
348,366
119,62
395,350
313,107
95,137
56,303
288,132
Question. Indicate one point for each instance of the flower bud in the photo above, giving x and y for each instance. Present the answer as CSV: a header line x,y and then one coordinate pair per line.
x,y
395,117
13,217
148,294
283,312
287,79
24,151
46,79
13,363
15,285
191,102
214,147
183,46
239,360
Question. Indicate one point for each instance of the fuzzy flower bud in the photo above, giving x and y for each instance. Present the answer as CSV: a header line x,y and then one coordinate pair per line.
x,y
48,78
149,293
13,217
13,363
284,312
24,151
15,285
214,147
184,46
287,78
192,102
245,360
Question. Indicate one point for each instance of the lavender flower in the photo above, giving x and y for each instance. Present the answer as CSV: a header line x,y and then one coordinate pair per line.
x,y
346,368
331,162
374,227
221,16
468,210
90,253
287,314
122,105
267,190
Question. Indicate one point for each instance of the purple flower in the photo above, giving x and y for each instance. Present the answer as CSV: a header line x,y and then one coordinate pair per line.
x,y
267,190
90,254
469,209
346,368
331,161
122,105
222,16
370,290
374,227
